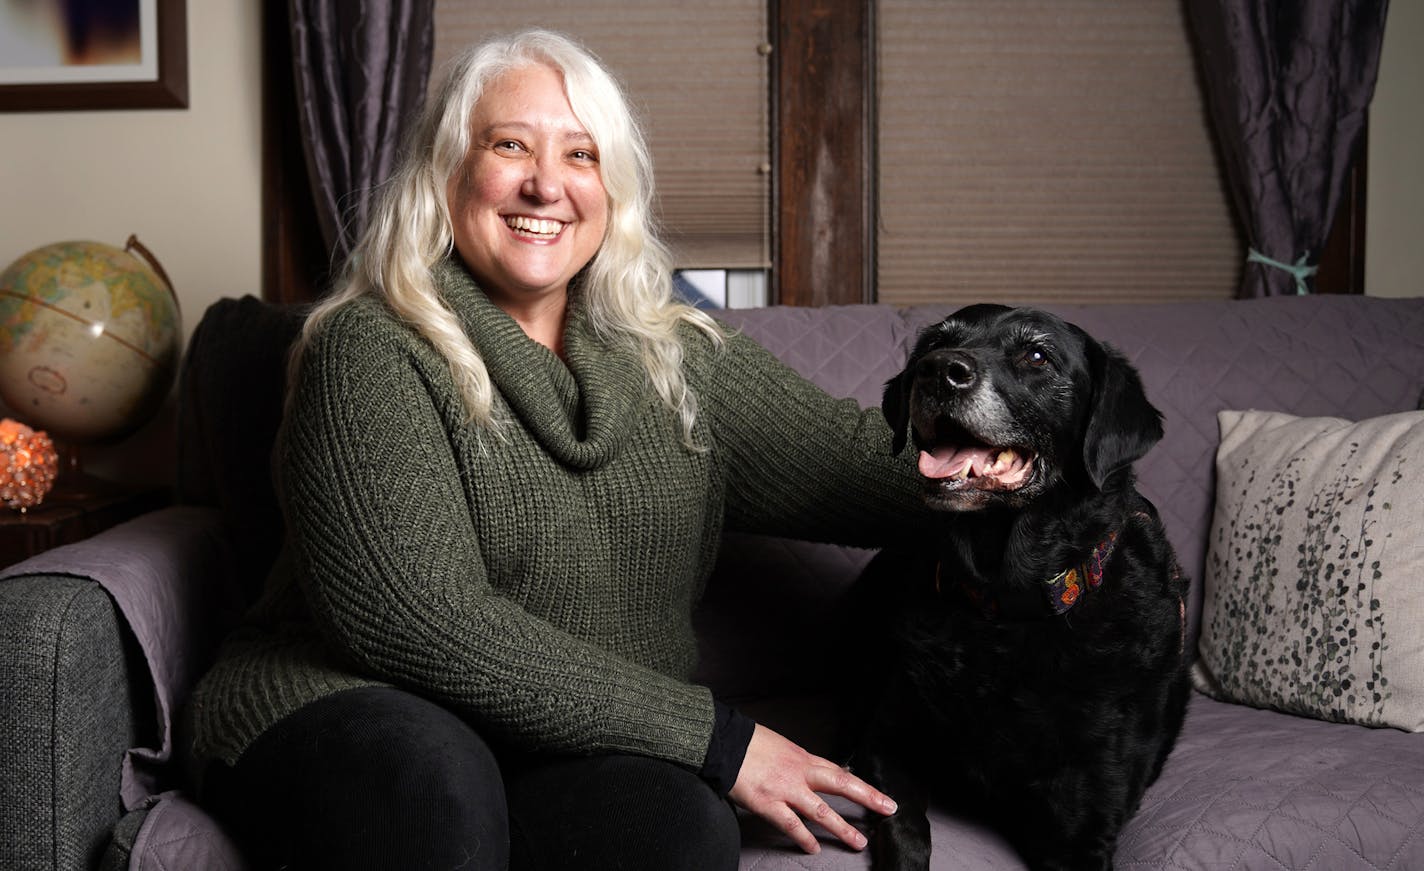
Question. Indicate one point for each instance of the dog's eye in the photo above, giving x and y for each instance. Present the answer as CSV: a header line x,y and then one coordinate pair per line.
x,y
1035,357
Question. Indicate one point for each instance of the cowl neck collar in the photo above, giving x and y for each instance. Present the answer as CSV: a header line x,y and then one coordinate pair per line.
x,y
583,411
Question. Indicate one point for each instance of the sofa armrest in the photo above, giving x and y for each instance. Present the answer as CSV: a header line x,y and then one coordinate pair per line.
x,y
71,708
90,683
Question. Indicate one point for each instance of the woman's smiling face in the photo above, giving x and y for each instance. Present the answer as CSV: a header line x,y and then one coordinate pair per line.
x,y
528,205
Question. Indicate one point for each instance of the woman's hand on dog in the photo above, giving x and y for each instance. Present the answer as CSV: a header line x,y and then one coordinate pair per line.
x,y
782,783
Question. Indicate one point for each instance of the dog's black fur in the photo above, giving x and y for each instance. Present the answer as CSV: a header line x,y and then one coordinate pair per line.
x,y
1047,726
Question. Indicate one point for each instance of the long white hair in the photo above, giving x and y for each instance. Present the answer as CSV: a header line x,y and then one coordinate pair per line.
x,y
626,287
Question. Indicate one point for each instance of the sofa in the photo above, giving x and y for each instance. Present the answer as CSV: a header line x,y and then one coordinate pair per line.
x,y
101,640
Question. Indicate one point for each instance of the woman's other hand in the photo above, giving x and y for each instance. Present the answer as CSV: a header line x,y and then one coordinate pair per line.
x,y
783,784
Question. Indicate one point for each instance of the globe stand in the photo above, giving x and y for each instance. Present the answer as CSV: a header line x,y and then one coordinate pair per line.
x,y
74,482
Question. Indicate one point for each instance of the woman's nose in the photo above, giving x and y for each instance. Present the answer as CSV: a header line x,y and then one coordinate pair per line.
x,y
545,181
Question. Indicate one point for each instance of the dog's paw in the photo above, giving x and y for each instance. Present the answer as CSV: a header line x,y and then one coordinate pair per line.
x,y
901,843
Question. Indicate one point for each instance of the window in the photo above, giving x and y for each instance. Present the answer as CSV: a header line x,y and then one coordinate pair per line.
x,y
1041,150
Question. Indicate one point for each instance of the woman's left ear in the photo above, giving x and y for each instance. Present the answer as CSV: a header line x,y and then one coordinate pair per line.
x,y
1122,424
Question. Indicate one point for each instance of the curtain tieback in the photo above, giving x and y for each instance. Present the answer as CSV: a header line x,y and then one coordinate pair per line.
x,y
1300,271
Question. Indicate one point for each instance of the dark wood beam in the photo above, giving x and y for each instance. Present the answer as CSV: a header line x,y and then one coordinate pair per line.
x,y
823,144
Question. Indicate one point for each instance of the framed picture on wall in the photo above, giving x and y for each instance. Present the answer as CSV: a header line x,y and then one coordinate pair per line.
x,y
93,54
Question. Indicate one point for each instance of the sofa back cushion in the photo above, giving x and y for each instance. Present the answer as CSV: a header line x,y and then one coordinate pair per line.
x,y
231,389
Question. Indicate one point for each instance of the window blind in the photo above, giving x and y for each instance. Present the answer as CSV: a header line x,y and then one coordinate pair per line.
x,y
1046,150
698,79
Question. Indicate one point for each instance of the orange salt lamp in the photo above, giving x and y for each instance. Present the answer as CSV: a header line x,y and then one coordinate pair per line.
x,y
28,465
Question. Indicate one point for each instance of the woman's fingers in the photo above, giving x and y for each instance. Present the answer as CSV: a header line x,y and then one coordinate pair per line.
x,y
814,809
789,819
784,784
835,780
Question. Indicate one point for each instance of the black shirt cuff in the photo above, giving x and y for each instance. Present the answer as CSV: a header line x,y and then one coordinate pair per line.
x,y
731,733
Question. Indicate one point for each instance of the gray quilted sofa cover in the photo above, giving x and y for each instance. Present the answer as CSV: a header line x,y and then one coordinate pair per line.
x,y
94,670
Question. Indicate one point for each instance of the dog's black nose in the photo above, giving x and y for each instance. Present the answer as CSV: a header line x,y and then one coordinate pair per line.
x,y
954,368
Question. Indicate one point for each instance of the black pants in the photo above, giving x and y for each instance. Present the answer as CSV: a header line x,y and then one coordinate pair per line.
x,y
381,779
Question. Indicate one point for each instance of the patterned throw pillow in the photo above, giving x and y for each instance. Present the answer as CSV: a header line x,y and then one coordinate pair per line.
x,y
1315,572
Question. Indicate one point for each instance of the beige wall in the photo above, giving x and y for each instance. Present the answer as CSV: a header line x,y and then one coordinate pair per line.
x,y
1394,220
186,181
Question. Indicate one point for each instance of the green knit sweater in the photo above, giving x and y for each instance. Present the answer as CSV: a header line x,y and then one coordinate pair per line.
x,y
541,585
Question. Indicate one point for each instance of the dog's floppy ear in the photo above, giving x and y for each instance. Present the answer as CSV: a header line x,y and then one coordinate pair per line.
x,y
1122,425
896,405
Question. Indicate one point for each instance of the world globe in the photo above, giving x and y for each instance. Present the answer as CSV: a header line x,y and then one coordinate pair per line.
x,y
89,340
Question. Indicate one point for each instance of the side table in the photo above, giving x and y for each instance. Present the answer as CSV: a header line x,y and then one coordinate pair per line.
x,y
73,512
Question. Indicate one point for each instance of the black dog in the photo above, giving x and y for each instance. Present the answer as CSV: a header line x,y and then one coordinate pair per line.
x,y
1040,678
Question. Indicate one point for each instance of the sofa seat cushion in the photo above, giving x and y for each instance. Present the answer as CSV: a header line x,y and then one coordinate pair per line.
x,y
1244,788
1248,788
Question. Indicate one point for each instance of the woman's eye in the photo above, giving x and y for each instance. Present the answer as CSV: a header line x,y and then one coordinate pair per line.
x,y
585,155
508,145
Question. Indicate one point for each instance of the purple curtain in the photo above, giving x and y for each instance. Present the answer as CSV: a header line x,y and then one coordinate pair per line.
x,y
361,68
1288,83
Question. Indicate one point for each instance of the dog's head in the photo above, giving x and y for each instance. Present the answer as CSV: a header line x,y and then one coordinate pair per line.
x,y
1006,404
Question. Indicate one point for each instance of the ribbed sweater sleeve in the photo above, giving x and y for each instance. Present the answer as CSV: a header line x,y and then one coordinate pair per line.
x,y
392,568
801,464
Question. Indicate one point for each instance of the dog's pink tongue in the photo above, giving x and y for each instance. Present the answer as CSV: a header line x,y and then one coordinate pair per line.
x,y
948,461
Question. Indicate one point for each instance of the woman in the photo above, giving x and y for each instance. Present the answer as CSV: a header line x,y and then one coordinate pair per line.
x,y
506,463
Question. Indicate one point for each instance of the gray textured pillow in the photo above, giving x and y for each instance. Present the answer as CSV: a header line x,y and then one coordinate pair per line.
x,y
1315,573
